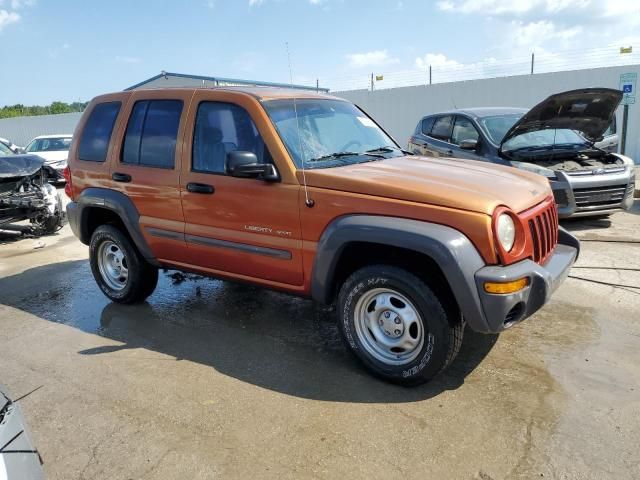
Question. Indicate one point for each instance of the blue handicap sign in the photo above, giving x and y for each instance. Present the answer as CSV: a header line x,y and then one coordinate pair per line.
x,y
627,88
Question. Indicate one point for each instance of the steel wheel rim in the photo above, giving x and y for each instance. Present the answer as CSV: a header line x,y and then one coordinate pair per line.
x,y
113,265
389,326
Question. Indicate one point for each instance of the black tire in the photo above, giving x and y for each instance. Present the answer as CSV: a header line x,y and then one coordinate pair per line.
x,y
142,277
442,332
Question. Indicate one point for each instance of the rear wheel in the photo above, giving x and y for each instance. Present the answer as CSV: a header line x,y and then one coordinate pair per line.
x,y
396,325
120,271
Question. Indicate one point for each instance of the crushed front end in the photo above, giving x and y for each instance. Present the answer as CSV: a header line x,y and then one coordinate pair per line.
x,y
28,203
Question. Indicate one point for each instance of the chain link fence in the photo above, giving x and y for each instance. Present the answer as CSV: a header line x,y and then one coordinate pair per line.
x,y
451,71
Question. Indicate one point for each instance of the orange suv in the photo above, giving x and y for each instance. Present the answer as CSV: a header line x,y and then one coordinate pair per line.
x,y
305,193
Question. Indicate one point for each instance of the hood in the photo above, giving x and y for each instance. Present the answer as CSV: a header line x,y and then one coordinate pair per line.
x,y
19,165
460,184
53,156
588,111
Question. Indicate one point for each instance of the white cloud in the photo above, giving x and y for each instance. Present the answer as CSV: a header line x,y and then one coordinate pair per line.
x,y
125,59
534,35
7,18
435,60
375,58
255,3
511,7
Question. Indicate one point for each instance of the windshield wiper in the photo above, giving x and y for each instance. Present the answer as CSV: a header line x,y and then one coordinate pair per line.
x,y
368,153
333,155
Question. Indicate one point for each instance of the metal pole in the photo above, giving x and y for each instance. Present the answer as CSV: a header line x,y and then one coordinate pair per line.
x,y
317,85
625,118
429,74
533,59
372,82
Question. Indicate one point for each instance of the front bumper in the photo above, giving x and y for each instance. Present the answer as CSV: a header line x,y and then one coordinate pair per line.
x,y
588,194
501,311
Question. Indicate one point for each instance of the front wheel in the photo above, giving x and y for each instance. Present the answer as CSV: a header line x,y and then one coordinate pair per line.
x,y
120,271
396,325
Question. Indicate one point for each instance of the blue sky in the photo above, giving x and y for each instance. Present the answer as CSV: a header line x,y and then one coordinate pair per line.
x,y
72,50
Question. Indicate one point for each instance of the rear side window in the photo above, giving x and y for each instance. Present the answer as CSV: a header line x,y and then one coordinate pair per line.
x,y
427,125
152,133
442,128
97,132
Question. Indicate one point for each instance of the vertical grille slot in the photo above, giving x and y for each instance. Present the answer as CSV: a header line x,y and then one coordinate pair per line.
x,y
543,227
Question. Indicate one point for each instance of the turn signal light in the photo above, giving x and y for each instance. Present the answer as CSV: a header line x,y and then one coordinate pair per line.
x,y
506,287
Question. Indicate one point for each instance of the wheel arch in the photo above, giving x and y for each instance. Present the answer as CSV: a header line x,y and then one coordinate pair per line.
x,y
97,206
426,249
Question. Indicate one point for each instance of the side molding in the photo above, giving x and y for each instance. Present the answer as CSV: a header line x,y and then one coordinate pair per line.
x,y
118,203
451,250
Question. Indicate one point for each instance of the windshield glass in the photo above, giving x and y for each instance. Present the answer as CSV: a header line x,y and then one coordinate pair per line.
x,y
498,125
4,150
544,138
57,144
328,127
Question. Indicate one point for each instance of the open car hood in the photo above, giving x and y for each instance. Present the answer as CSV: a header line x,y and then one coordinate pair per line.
x,y
19,165
588,111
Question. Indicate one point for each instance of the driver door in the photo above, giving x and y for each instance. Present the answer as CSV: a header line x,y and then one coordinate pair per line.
x,y
237,227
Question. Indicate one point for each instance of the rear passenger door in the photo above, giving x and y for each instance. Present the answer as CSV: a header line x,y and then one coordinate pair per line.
x,y
241,227
147,167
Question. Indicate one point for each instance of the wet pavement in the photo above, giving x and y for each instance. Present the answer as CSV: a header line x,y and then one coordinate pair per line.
x,y
210,379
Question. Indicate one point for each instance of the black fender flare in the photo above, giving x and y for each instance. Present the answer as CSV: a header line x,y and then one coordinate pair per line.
x,y
117,202
450,249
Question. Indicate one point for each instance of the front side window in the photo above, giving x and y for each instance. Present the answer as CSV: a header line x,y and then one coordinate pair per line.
x,y
50,144
152,133
463,129
442,128
325,133
96,135
222,128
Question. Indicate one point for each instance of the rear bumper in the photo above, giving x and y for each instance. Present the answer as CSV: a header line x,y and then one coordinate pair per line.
x,y
585,195
502,311
73,217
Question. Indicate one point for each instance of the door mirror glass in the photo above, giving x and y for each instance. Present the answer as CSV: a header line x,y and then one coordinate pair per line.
x,y
245,165
468,144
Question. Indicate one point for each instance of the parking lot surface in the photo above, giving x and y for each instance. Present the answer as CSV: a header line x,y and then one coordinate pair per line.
x,y
210,379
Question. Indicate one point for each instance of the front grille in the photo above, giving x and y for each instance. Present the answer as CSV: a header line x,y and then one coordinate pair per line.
x,y
608,196
543,227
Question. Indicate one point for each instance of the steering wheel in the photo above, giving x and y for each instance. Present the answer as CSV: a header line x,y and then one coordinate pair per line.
x,y
355,143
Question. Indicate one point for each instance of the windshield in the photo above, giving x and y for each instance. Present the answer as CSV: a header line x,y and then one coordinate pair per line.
x,y
498,125
544,138
4,150
332,133
54,144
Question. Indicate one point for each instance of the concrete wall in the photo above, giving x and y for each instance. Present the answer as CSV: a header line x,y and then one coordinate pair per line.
x,y
20,130
399,109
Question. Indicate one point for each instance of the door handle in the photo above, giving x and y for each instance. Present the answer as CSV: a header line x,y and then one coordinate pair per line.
x,y
200,188
121,177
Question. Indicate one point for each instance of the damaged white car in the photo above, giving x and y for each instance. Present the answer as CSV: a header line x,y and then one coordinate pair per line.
x,y
28,203
557,139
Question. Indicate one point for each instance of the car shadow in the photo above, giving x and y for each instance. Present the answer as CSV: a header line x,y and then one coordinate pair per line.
x,y
265,338
585,223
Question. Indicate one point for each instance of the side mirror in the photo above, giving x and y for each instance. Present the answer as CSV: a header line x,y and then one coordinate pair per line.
x,y
468,144
245,165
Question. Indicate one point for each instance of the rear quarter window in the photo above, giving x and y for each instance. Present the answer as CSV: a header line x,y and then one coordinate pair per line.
x,y
427,125
96,135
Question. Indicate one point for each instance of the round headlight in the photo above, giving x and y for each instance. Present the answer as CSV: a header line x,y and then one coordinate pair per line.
x,y
506,231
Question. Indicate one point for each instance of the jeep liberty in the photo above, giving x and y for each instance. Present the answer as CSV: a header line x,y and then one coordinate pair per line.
x,y
305,193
